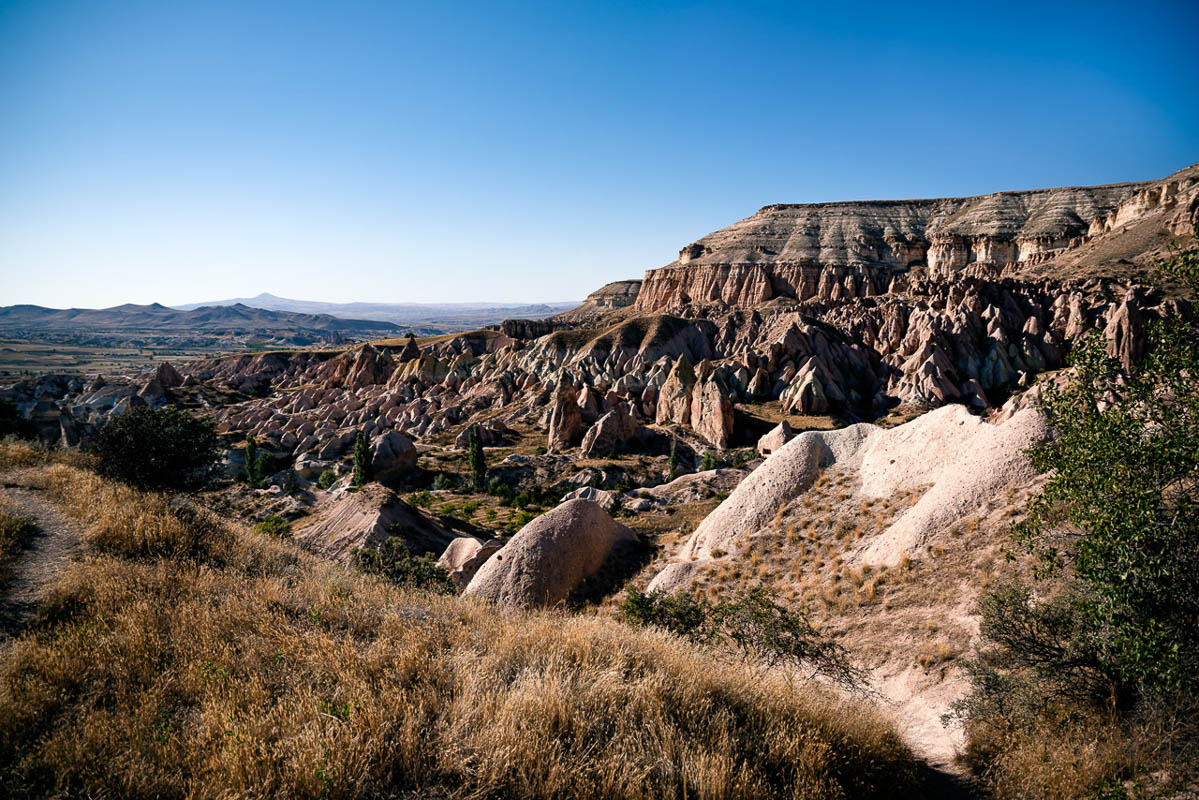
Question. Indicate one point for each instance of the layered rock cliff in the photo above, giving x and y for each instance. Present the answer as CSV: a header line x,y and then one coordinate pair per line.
x,y
830,251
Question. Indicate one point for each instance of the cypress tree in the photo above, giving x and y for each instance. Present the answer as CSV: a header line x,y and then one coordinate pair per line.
x,y
478,462
362,460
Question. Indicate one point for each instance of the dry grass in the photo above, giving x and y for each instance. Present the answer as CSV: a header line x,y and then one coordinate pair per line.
x,y
1073,758
189,658
16,530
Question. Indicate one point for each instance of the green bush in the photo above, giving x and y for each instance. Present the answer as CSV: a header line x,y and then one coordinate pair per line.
x,y
327,479
444,482
274,525
393,562
708,462
679,613
167,449
421,499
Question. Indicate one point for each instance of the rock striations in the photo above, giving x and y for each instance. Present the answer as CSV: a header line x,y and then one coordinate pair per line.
x,y
832,251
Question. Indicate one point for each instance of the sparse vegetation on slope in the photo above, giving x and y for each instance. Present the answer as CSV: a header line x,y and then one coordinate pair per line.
x,y
187,657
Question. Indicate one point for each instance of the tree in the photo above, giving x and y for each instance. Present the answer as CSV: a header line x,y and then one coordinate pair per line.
x,y
260,464
478,461
362,460
167,449
1121,507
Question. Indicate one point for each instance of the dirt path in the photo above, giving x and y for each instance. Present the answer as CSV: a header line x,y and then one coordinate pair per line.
x,y
34,571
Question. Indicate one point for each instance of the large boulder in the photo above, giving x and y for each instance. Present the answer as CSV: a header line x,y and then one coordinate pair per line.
x,y
464,556
609,432
365,519
607,500
548,558
778,436
712,412
674,398
337,445
566,419
393,456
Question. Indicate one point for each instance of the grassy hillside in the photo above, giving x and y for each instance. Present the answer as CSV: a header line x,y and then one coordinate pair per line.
x,y
185,656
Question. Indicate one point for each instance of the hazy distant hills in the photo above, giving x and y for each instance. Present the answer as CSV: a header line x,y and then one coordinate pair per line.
x,y
445,315
235,318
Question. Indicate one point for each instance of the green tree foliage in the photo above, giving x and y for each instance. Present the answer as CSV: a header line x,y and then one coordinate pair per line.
x,y
260,464
1122,504
393,562
326,479
274,525
167,449
478,461
1116,634
708,462
362,460
678,613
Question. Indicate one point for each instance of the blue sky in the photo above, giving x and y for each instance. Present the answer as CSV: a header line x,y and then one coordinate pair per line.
x,y
387,151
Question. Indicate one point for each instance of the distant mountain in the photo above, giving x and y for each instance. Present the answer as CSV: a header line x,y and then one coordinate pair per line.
x,y
450,315
235,318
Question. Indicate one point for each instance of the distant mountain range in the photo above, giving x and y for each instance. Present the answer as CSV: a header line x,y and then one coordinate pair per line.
x,y
233,318
443,315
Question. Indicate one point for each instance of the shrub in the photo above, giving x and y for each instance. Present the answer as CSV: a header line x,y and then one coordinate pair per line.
x,y
167,449
500,489
679,613
762,629
421,499
1036,655
444,481
327,479
393,562
754,624
274,525
708,461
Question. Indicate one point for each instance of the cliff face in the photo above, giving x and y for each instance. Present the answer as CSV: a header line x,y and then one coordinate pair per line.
x,y
618,294
827,251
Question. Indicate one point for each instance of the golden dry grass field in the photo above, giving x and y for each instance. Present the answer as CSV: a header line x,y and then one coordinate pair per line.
x,y
185,656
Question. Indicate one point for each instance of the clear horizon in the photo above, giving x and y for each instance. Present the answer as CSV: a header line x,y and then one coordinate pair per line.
x,y
529,153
